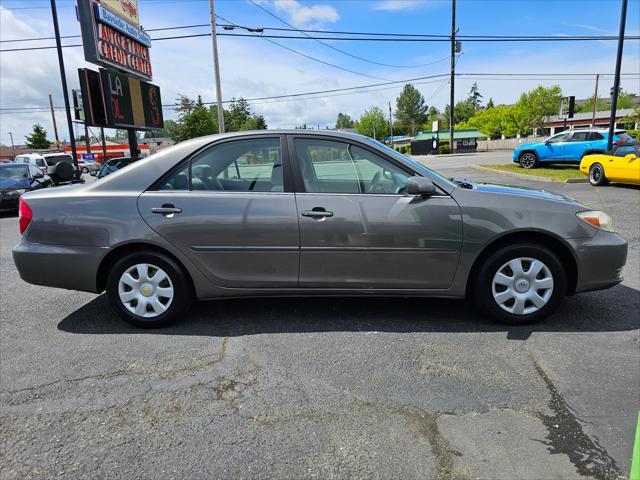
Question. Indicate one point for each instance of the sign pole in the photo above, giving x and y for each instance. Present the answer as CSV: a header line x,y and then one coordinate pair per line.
x,y
216,67
53,119
616,81
133,143
65,93
104,145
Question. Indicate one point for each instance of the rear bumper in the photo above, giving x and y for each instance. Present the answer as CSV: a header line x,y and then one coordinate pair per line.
x,y
73,268
600,261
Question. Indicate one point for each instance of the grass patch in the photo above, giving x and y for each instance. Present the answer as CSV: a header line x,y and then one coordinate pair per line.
x,y
559,173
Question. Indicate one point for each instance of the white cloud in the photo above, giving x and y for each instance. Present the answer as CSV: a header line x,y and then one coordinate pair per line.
x,y
585,26
303,16
399,5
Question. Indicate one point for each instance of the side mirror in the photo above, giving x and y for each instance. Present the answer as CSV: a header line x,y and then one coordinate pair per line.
x,y
420,186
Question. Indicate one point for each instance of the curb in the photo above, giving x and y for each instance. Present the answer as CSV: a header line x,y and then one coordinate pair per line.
x,y
530,177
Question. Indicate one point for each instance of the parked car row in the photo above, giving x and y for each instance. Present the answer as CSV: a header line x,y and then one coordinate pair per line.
x,y
589,148
34,171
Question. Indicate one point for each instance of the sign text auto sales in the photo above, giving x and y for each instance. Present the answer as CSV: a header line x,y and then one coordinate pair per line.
x,y
123,51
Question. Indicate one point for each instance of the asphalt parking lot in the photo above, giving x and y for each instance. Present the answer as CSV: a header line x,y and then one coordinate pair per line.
x,y
324,388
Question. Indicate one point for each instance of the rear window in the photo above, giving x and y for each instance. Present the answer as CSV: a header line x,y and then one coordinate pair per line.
x,y
54,159
21,160
625,137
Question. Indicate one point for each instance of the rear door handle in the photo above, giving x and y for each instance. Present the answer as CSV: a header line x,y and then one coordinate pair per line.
x,y
317,213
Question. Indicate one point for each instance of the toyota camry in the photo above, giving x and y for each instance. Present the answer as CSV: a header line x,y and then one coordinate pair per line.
x,y
301,213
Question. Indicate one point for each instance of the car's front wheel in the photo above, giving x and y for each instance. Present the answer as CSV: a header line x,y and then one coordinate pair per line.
x,y
520,283
84,170
148,289
528,160
597,177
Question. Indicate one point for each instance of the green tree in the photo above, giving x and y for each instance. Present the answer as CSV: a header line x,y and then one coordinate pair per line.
x,y
490,103
239,112
410,108
254,122
475,97
38,137
184,106
343,121
372,123
538,104
587,106
195,124
169,130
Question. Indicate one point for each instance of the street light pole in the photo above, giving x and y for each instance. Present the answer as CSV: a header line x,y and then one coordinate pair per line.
x,y
216,67
65,93
453,74
13,148
616,81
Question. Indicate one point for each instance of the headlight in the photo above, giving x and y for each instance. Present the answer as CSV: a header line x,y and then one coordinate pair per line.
x,y
598,219
16,193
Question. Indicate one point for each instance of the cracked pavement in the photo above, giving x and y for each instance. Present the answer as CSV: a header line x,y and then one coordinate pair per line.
x,y
323,388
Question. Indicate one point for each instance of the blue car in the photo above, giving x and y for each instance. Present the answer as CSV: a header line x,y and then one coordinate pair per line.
x,y
567,147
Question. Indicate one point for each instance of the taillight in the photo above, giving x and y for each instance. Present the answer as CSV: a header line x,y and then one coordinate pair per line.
x,y
24,214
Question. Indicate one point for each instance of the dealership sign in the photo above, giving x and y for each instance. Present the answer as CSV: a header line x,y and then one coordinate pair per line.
x,y
110,40
127,9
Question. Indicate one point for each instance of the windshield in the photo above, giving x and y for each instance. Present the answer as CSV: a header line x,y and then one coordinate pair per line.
x,y
417,166
112,166
13,173
54,159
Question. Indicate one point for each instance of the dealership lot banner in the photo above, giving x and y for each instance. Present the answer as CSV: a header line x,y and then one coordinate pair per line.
x,y
110,39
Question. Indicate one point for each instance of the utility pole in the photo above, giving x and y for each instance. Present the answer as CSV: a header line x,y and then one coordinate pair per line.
x,y
595,102
65,93
616,80
216,67
104,145
53,119
393,144
13,148
453,74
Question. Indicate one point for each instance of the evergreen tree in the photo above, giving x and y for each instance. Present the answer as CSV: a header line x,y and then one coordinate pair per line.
x,y
490,103
475,97
410,108
344,121
38,138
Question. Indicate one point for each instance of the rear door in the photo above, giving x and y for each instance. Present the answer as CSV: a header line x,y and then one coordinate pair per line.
x,y
358,227
228,210
577,145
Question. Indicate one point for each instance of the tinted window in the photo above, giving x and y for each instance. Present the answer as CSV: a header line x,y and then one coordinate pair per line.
x,y
21,160
595,136
336,167
253,165
54,159
624,151
580,137
562,137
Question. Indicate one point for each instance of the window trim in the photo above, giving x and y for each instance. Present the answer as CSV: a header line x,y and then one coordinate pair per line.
x,y
284,154
298,180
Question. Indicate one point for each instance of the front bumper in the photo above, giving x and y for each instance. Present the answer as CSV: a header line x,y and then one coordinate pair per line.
x,y
70,267
600,261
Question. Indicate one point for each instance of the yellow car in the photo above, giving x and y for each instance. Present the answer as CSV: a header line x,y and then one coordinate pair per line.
x,y
622,164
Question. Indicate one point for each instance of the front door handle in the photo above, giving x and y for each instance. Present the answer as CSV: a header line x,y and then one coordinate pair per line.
x,y
317,213
166,209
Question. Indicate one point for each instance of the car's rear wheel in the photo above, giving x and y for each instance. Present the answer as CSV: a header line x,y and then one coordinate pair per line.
x,y
148,289
84,170
597,177
519,284
528,160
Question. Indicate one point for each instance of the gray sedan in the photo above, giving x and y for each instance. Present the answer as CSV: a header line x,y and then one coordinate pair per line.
x,y
293,213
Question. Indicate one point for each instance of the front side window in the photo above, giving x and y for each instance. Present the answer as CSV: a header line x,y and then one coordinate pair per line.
x,y
253,165
561,137
335,167
624,151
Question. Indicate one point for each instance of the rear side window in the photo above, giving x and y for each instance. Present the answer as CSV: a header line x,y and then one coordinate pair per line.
x,y
625,137
55,159
624,151
580,137
252,165
595,136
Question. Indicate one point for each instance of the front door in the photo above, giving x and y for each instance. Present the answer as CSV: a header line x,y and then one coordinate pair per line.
x,y
556,147
228,211
359,228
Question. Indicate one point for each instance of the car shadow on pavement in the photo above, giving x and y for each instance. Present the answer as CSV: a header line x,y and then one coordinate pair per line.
x,y
612,310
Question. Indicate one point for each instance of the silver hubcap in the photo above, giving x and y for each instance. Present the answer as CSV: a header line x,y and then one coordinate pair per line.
x,y
527,160
522,286
595,174
145,290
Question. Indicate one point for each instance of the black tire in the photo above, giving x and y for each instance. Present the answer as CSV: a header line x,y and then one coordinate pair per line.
x,y
528,160
482,286
182,288
597,177
84,170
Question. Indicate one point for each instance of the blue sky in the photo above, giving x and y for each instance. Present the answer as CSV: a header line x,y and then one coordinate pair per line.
x,y
252,67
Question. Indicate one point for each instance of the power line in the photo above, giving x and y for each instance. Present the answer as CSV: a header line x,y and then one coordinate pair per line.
x,y
338,49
